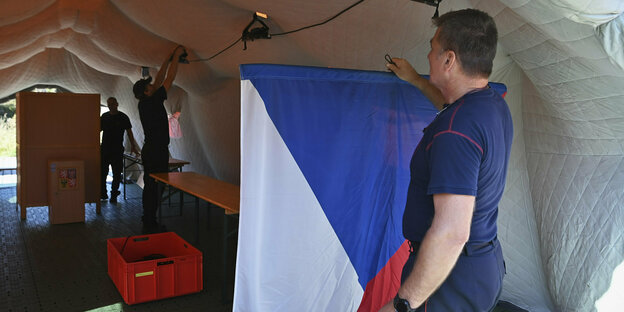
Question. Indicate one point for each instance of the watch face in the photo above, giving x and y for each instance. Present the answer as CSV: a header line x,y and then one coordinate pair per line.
x,y
401,305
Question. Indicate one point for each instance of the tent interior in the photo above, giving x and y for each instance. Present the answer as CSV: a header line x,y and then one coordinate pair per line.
x,y
560,220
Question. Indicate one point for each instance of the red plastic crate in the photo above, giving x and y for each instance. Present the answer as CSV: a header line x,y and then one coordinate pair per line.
x,y
138,279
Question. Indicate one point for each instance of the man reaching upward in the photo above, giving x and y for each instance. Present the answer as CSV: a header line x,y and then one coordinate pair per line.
x,y
155,153
458,173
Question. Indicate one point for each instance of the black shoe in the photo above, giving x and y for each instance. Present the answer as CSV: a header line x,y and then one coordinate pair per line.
x,y
104,196
113,198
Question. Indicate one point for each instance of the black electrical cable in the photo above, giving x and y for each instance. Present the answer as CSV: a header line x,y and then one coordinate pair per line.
x,y
215,55
124,245
321,23
282,33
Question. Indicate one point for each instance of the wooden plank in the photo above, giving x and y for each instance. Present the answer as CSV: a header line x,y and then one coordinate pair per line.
x,y
220,193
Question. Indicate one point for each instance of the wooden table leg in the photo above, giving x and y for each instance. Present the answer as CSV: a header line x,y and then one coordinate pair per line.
x,y
197,220
158,201
124,176
224,269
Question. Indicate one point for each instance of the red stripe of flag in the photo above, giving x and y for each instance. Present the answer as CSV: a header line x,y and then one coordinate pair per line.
x,y
386,283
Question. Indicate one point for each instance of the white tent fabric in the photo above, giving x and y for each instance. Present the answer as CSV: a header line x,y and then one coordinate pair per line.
x,y
561,217
610,35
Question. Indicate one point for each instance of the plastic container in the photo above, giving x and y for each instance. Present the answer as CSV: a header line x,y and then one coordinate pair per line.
x,y
156,266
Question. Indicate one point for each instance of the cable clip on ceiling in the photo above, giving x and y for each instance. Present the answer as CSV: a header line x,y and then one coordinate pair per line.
x,y
261,32
435,3
145,71
183,59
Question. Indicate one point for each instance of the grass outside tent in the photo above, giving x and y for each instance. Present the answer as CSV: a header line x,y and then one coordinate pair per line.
x,y
7,137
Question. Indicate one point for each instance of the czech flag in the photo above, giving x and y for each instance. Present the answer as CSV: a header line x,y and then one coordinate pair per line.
x,y
325,159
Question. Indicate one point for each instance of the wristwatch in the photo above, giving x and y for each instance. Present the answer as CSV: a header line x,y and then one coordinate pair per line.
x,y
402,305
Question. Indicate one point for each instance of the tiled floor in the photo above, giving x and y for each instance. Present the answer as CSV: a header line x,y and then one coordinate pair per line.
x,y
64,267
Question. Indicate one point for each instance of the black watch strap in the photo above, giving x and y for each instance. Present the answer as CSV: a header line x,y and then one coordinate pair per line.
x,y
402,305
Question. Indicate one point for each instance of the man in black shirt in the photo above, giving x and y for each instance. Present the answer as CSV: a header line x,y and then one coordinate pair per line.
x,y
113,124
155,153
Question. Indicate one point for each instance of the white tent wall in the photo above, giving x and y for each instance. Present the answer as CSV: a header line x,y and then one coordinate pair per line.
x,y
560,218
573,141
525,283
211,131
610,35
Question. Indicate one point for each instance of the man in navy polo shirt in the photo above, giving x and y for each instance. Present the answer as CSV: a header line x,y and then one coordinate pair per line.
x,y
458,173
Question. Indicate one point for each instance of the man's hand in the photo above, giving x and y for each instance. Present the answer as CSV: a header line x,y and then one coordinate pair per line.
x,y
406,72
403,69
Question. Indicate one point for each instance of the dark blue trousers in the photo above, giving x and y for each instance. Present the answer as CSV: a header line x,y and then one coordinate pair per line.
x,y
474,284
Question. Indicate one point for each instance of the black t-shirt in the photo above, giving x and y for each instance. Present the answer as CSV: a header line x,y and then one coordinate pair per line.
x,y
154,119
113,127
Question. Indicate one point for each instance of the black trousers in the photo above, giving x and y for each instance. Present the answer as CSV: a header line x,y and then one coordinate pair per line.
x,y
114,158
155,160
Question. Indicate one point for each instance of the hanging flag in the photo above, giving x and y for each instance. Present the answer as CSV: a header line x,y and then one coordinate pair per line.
x,y
324,174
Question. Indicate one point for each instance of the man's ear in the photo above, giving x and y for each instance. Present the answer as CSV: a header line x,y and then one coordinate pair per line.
x,y
451,59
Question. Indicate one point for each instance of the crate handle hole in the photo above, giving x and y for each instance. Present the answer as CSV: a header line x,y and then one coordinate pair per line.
x,y
165,262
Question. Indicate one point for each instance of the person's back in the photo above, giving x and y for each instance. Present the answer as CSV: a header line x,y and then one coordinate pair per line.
x,y
113,127
480,121
154,118
496,131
